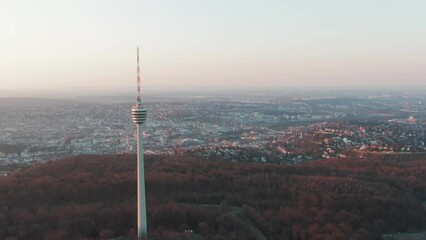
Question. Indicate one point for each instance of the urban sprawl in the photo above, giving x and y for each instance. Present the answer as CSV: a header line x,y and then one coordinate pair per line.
x,y
255,130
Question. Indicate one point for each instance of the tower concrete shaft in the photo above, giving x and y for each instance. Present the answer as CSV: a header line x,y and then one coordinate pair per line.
x,y
139,117
142,222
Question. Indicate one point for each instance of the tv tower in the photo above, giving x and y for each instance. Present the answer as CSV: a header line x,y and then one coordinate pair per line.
x,y
139,117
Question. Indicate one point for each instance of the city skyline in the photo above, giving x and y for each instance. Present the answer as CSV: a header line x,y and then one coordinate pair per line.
x,y
58,46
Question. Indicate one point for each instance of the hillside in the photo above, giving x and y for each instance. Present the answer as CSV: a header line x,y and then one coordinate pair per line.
x,y
92,197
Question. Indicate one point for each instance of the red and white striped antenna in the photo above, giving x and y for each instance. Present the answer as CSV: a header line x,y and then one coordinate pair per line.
x,y
139,76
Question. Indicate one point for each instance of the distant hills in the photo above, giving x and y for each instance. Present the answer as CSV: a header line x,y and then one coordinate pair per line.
x,y
15,102
94,197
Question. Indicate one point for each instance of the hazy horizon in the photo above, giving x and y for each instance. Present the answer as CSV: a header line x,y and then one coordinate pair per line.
x,y
170,93
89,47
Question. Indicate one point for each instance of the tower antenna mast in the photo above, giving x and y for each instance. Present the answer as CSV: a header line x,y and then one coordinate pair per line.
x,y
139,76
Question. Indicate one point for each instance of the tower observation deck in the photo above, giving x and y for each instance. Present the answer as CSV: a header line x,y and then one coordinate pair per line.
x,y
139,112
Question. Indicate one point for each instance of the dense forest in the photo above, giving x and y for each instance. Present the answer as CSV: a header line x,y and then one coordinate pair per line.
x,y
94,197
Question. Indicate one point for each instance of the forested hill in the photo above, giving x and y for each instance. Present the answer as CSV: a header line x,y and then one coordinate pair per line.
x,y
94,197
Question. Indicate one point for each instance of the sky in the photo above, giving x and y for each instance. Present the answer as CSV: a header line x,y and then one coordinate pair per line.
x,y
90,45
